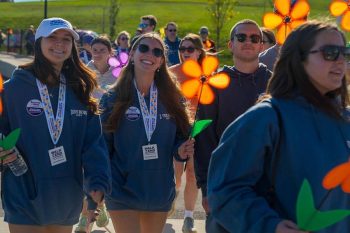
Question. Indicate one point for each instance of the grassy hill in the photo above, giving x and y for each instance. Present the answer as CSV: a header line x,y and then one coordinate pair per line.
x,y
93,14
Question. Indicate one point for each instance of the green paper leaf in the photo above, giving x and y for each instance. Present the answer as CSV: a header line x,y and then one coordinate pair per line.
x,y
199,126
305,205
311,219
10,140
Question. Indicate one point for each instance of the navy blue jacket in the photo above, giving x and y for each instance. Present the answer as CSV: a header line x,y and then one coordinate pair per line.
x,y
242,93
310,143
50,194
173,51
139,184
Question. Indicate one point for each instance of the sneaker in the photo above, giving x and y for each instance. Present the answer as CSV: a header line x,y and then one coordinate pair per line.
x,y
102,218
81,227
172,210
188,226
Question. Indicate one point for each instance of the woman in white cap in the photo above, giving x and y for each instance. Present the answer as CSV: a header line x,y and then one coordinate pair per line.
x,y
50,100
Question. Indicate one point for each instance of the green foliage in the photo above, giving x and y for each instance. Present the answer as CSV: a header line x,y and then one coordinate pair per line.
x,y
190,15
113,13
220,11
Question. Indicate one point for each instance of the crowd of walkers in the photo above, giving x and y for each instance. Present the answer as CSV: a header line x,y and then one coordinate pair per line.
x,y
106,140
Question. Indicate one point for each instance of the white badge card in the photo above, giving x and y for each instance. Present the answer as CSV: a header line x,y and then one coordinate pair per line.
x,y
150,152
57,156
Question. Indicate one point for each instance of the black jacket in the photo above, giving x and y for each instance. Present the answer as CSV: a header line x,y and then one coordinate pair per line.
x,y
242,93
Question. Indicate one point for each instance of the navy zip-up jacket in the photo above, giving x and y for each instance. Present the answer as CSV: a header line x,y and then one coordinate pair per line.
x,y
47,194
229,103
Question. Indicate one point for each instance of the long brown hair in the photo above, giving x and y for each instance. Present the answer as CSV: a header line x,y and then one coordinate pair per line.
x,y
80,78
169,94
290,77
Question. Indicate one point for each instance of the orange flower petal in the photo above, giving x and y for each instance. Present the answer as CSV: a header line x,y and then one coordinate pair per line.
x,y
283,6
190,87
282,33
1,83
300,10
272,20
192,69
345,21
345,185
207,96
338,7
0,105
220,80
297,23
209,65
336,176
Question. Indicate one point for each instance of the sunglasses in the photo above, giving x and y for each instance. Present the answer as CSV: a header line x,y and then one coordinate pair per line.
x,y
332,52
157,52
124,38
143,25
171,30
241,37
188,49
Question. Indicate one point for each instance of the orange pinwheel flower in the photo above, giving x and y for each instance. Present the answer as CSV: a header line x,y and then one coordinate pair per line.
x,y
286,18
341,8
340,175
198,75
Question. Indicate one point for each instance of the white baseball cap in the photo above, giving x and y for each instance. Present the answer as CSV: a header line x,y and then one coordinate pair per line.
x,y
50,25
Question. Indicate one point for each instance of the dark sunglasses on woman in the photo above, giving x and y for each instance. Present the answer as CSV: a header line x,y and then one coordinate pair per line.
x,y
188,49
157,52
332,52
241,37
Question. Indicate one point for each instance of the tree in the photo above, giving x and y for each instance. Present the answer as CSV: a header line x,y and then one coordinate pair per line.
x,y
220,12
113,14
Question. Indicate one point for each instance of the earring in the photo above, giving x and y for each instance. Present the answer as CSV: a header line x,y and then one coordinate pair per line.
x,y
158,70
132,62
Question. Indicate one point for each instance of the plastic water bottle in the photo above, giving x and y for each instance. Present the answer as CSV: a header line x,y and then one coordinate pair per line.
x,y
18,166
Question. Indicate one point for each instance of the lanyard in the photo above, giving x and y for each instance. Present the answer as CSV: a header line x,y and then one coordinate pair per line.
x,y
149,117
55,124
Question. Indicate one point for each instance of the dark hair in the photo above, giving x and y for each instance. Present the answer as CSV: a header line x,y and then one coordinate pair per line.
x,y
169,94
198,44
151,18
244,21
102,40
269,35
80,78
289,74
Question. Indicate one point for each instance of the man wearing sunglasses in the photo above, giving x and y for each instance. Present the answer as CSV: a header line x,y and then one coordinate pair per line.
x,y
172,42
248,80
147,24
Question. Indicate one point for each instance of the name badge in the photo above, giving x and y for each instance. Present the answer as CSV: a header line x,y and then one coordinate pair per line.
x,y
57,156
150,152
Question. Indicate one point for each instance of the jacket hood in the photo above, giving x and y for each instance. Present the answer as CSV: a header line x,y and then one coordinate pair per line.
x,y
20,74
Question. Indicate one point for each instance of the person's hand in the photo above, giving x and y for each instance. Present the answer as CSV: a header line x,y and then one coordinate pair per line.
x,y
287,226
186,150
97,196
205,205
10,155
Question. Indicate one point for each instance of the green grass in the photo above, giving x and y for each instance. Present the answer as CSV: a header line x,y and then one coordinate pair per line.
x,y
93,14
